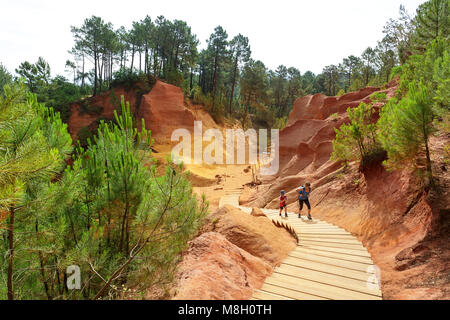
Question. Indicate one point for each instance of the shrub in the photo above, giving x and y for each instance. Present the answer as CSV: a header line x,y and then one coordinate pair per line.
x,y
396,71
378,97
280,123
84,136
334,116
356,140
86,107
126,78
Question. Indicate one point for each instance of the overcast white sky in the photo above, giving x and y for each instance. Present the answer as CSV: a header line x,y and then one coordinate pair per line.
x,y
305,34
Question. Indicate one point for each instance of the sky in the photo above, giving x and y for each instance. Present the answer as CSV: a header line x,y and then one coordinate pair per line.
x,y
308,35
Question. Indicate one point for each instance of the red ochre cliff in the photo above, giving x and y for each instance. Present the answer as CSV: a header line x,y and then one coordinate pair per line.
x,y
404,226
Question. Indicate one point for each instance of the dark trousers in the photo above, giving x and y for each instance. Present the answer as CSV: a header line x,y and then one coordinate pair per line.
x,y
306,201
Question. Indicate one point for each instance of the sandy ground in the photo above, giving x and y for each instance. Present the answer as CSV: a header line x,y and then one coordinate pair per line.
x,y
213,181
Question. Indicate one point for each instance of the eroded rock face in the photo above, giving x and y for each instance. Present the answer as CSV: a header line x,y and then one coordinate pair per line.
x,y
255,234
306,142
403,226
232,257
320,107
215,269
163,110
102,106
257,212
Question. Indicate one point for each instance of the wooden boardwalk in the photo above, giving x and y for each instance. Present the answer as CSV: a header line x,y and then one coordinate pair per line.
x,y
328,263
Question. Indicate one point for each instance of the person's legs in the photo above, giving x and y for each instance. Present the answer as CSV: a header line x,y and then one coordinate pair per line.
x,y
309,208
285,211
300,207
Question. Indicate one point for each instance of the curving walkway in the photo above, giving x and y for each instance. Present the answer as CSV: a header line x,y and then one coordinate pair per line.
x,y
328,263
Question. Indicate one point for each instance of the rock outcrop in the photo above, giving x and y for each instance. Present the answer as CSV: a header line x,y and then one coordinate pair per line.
x,y
306,142
86,114
163,110
216,269
255,234
232,257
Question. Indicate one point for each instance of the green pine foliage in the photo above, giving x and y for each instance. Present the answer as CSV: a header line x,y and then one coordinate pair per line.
x,y
432,21
5,77
405,127
34,144
356,140
108,213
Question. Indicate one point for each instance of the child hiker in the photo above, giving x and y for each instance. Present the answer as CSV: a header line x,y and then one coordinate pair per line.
x,y
303,197
283,203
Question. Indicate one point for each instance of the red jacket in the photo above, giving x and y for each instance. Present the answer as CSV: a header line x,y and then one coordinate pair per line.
x,y
283,200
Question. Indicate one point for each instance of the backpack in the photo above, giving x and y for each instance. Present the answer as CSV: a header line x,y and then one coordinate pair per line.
x,y
302,194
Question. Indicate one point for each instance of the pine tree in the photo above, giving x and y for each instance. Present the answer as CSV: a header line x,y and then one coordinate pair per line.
x,y
405,127
5,77
356,140
432,21
217,46
33,145
240,51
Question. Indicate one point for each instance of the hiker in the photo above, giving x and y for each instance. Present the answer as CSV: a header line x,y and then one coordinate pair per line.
x,y
303,197
283,203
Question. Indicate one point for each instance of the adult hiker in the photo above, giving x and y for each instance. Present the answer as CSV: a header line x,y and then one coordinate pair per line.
x,y
283,203
303,197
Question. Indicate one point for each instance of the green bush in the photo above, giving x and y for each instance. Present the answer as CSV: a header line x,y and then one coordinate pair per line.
x,y
378,97
126,78
356,140
86,107
375,156
280,123
265,117
84,135
396,71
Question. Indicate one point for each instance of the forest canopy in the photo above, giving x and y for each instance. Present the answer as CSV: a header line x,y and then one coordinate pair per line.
x,y
217,76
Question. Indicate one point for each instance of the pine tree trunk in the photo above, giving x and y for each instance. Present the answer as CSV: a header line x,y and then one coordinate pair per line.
x,y
11,253
191,79
233,84
95,73
427,150
214,85
82,77
140,60
132,59
41,263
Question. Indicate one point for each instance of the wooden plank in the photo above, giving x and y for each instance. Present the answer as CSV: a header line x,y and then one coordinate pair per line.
x,y
327,278
311,235
263,295
320,289
361,253
331,240
342,256
345,272
318,228
293,294
330,233
330,261
352,247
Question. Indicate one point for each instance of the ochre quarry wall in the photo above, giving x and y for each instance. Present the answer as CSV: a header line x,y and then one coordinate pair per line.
x,y
163,109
